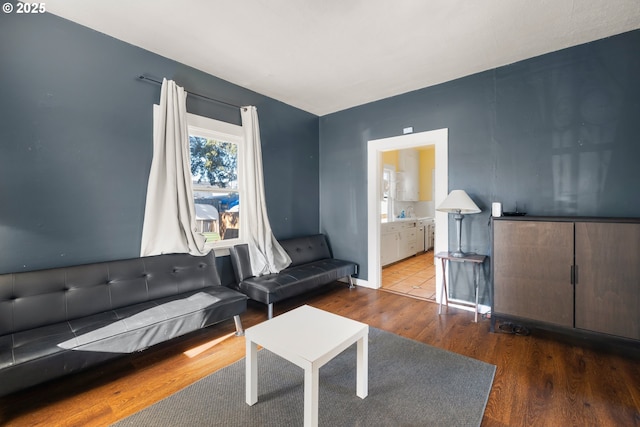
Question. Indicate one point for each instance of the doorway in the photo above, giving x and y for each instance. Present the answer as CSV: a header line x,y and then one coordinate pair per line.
x,y
439,138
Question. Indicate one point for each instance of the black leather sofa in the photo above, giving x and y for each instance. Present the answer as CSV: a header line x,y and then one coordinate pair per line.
x,y
312,266
57,321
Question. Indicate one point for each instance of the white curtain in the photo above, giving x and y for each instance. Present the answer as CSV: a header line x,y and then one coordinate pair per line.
x,y
267,256
169,217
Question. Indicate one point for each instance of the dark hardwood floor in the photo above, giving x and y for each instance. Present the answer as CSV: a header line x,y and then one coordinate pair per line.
x,y
540,380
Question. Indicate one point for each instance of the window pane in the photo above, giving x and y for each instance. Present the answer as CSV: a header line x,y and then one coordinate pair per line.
x,y
214,168
217,215
214,163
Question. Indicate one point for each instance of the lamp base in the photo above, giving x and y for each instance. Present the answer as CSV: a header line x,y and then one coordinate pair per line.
x,y
458,254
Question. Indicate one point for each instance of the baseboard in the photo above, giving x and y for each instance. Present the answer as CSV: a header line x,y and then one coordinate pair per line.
x,y
358,282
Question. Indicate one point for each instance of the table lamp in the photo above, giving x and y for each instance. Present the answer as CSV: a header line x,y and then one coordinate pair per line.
x,y
459,203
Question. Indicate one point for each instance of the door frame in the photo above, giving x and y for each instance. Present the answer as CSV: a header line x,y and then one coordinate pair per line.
x,y
440,139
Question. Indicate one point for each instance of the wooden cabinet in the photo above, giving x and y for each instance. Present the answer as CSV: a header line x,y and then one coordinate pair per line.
x,y
571,273
532,270
607,278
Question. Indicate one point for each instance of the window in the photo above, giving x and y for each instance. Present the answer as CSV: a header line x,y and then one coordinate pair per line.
x,y
216,172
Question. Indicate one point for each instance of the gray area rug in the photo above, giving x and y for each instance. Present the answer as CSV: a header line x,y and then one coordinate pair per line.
x,y
410,384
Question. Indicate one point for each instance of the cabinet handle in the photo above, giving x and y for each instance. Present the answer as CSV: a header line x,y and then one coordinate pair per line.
x,y
574,274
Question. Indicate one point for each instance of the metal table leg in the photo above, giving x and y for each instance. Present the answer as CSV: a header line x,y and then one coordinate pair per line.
x,y
443,291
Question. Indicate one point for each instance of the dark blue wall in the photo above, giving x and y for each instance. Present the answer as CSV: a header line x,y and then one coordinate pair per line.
x,y
559,134
76,144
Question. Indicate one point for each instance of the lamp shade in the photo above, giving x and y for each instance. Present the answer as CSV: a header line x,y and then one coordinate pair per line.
x,y
458,201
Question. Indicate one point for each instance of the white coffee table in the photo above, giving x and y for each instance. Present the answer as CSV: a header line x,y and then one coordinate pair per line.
x,y
308,337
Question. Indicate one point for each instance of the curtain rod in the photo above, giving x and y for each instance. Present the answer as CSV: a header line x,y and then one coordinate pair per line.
x,y
197,95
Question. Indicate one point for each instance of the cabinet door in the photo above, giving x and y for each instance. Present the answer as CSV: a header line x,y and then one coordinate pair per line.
x,y
608,278
388,248
399,186
408,242
532,263
408,162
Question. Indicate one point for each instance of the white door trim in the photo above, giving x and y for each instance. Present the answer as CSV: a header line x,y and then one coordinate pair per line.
x,y
439,138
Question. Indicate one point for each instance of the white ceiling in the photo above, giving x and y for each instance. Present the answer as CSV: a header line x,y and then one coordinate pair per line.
x,y
324,56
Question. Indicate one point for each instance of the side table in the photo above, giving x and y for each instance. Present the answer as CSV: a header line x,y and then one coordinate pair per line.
x,y
308,337
476,262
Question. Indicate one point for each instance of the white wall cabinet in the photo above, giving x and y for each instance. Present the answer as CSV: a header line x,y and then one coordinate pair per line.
x,y
407,177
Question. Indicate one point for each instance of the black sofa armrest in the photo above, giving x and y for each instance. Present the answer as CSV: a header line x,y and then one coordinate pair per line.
x,y
241,261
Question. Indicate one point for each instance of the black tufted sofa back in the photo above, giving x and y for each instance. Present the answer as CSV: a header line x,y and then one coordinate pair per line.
x,y
303,250
38,298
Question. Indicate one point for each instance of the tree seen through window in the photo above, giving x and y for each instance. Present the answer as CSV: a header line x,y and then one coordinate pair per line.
x,y
214,169
214,162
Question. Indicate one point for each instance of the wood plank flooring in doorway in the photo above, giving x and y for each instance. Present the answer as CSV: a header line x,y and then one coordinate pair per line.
x,y
414,276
